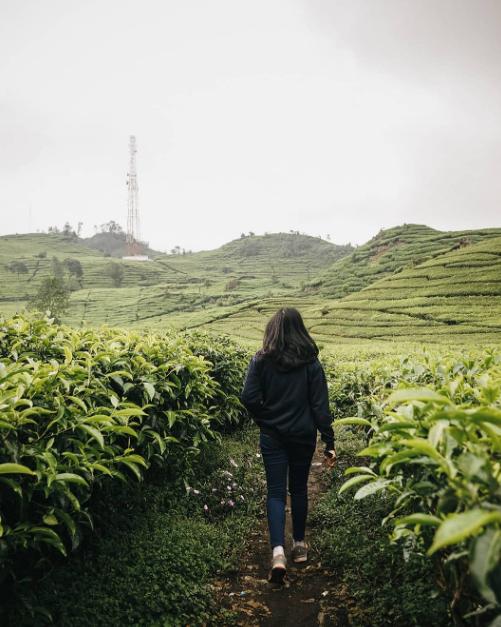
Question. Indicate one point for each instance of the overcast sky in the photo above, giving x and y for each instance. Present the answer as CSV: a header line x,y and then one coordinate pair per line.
x,y
331,117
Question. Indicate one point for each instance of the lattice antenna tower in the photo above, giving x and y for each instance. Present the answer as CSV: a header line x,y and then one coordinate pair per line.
x,y
133,226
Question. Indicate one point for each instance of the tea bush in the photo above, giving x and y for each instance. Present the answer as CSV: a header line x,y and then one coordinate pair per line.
x,y
81,407
435,451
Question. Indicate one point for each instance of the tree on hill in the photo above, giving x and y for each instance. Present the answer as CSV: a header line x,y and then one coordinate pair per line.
x,y
19,267
116,272
249,248
68,231
111,227
74,268
232,284
52,295
57,268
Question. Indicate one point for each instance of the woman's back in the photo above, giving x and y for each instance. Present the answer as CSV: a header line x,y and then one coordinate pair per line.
x,y
290,402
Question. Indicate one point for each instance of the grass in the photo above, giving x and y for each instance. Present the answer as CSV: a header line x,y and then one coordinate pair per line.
x,y
155,551
377,585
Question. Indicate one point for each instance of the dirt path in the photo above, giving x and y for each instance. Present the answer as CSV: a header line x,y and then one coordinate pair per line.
x,y
311,595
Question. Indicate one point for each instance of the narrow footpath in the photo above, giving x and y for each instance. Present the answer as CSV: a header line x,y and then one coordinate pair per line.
x,y
311,596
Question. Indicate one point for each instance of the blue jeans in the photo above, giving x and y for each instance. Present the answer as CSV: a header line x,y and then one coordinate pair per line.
x,y
280,457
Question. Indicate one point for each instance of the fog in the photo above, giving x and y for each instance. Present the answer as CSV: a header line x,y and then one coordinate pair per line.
x,y
328,117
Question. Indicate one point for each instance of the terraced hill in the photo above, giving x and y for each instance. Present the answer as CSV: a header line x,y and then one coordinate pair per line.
x,y
390,251
27,259
246,268
454,297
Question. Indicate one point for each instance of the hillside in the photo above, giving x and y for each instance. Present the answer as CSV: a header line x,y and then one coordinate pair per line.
x,y
392,250
453,298
25,260
456,295
246,268
114,244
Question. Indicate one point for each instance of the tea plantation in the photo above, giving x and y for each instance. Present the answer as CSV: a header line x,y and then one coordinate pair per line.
x,y
129,475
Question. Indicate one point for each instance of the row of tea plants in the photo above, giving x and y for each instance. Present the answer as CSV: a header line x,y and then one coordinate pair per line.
x,y
433,429
82,407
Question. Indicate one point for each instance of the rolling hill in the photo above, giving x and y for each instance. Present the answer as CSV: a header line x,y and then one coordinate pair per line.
x,y
418,285
246,268
392,250
454,297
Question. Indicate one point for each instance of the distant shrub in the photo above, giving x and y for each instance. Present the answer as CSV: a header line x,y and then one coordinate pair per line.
x,y
232,284
116,272
249,248
74,267
52,295
17,267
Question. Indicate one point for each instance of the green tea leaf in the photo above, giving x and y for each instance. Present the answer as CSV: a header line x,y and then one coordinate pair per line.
x,y
485,556
354,481
416,394
352,421
94,433
11,469
458,527
419,519
371,488
70,477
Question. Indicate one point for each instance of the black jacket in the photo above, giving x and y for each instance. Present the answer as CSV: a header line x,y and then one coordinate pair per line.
x,y
292,403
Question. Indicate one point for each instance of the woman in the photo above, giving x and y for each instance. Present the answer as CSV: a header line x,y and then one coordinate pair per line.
x,y
285,390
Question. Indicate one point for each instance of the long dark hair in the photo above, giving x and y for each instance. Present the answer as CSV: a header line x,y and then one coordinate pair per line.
x,y
286,341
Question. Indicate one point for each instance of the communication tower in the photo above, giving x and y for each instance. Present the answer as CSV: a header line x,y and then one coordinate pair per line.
x,y
133,236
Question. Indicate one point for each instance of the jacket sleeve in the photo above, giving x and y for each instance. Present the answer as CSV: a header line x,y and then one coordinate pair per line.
x,y
252,395
319,403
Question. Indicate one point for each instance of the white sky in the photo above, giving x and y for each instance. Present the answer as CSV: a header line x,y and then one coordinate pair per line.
x,y
325,116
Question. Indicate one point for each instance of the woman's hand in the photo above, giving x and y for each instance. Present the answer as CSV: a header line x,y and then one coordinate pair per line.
x,y
330,458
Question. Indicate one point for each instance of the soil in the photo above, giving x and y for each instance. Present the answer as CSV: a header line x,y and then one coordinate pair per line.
x,y
310,596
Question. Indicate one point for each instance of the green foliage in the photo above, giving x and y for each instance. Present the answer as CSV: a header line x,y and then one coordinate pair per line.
x,y
227,366
83,408
57,268
155,550
18,267
168,285
401,246
435,451
52,296
116,273
378,586
74,267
